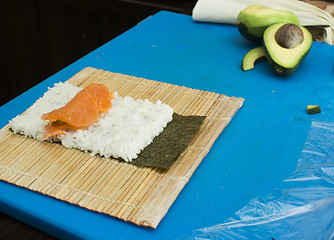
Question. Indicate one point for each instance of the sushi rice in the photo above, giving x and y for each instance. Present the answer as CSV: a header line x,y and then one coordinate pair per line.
x,y
123,132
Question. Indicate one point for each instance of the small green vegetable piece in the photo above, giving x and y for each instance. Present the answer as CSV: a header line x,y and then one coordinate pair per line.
x,y
253,56
61,122
313,109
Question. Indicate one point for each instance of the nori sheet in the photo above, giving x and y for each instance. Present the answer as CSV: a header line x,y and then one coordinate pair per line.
x,y
168,145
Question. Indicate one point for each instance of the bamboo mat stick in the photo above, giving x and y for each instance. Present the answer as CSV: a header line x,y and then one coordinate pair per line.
x,y
80,184
48,170
133,194
86,184
59,173
142,192
21,151
128,189
9,152
74,177
83,79
31,171
108,189
121,186
102,181
126,174
42,155
61,186
150,187
124,193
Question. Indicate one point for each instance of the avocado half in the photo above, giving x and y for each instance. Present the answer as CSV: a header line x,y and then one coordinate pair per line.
x,y
253,20
287,45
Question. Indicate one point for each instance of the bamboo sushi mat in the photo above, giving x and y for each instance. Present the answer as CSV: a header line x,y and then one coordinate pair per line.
x,y
134,194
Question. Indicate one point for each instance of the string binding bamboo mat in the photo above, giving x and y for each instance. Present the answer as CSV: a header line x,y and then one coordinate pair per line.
x,y
134,194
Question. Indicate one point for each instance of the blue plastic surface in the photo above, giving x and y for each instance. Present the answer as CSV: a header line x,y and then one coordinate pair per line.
x,y
300,208
258,150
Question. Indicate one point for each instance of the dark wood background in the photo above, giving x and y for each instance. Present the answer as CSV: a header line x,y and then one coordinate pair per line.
x,y
41,37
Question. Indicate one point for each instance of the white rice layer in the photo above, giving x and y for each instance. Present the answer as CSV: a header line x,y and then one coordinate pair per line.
x,y
128,127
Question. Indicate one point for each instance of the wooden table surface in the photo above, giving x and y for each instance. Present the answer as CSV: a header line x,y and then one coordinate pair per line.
x,y
11,228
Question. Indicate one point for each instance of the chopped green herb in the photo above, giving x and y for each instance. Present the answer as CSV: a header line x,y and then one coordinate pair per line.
x,y
313,109
61,122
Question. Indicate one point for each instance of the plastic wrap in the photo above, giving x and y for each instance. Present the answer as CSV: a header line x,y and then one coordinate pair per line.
x,y
301,208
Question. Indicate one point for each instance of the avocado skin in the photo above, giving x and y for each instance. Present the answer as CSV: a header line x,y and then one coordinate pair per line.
x,y
283,71
299,53
243,29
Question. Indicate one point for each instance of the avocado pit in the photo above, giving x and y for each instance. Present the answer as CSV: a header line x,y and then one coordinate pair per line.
x,y
289,36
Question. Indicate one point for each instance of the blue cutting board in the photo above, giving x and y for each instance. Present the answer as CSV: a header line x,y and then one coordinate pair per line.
x,y
258,149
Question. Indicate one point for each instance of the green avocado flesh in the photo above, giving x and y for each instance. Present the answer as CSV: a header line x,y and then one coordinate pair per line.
x,y
253,21
253,56
313,109
285,58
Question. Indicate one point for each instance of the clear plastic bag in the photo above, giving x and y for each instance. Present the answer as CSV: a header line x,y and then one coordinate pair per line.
x,y
303,206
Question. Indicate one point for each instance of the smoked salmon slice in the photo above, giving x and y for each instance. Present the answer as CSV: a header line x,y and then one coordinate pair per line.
x,y
80,112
